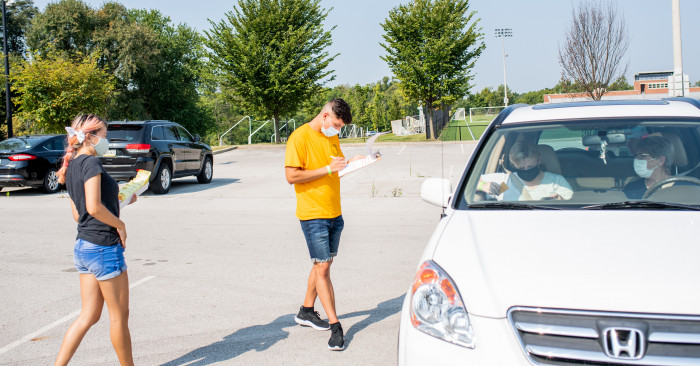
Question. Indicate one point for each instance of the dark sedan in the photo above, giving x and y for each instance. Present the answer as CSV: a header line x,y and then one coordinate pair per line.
x,y
32,161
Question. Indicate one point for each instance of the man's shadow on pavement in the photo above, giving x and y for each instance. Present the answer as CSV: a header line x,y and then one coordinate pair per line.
x,y
383,310
257,337
262,337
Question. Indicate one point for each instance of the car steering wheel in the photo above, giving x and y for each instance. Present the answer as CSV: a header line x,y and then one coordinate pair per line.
x,y
655,187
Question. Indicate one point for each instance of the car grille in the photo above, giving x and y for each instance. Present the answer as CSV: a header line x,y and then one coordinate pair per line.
x,y
567,337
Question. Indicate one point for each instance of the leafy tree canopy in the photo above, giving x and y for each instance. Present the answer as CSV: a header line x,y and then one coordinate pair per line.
x,y
156,64
19,18
272,54
52,89
431,47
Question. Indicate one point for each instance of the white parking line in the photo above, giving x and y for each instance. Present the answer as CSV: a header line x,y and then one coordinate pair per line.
x,y
402,149
58,322
461,146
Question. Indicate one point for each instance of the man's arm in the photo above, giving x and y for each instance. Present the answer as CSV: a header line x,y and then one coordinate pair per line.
x,y
298,175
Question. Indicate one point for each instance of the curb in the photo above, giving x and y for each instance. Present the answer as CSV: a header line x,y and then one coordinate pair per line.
x,y
225,150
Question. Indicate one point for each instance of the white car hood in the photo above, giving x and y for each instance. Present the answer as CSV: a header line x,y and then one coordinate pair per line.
x,y
622,260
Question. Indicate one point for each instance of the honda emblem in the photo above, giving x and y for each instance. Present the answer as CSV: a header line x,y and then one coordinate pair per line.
x,y
624,343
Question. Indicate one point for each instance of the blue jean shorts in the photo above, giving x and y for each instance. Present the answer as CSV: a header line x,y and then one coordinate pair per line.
x,y
104,262
323,237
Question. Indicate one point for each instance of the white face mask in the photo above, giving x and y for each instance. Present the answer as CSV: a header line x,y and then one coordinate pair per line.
x,y
640,167
330,131
101,147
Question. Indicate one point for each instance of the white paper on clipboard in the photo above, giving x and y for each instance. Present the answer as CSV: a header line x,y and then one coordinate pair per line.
x,y
372,156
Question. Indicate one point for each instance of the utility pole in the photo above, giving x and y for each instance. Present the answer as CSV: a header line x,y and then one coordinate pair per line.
x,y
502,33
678,84
8,105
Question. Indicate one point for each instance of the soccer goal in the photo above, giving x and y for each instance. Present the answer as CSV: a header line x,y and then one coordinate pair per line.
x,y
460,114
481,115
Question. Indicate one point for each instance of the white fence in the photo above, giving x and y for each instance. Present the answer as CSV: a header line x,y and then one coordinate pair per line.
x,y
411,125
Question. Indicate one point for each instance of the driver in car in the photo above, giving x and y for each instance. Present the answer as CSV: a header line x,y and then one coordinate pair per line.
x,y
527,182
652,163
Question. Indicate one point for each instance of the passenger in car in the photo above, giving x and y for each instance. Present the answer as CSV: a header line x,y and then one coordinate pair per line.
x,y
529,183
652,163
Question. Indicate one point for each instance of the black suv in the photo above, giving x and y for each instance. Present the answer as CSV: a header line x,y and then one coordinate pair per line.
x,y
164,148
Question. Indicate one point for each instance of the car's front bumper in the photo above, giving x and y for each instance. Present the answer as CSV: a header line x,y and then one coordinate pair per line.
x,y
496,344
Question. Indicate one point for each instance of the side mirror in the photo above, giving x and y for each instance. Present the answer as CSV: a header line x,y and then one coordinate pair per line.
x,y
197,138
436,191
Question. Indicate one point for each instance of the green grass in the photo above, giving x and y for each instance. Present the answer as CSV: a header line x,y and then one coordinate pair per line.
x,y
482,118
457,130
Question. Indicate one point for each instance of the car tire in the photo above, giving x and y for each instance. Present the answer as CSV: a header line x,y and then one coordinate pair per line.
x,y
51,184
163,180
207,172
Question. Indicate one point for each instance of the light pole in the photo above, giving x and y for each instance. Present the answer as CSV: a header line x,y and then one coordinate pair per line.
x,y
8,106
502,33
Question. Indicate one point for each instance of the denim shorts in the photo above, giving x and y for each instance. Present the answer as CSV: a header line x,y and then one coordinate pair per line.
x,y
104,262
322,237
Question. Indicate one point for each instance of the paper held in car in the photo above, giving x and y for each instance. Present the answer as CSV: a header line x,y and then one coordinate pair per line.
x,y
135,186
372,156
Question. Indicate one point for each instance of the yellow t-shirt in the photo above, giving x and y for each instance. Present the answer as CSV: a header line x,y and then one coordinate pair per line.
x,y
308,149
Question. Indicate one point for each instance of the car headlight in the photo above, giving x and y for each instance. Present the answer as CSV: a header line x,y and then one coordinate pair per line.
x,y
436,307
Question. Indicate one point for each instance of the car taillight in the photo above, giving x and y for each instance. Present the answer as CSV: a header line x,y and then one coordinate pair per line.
x,y
138,148
21,157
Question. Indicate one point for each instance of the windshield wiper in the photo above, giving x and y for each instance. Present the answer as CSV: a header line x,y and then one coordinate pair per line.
x,y
642,205
510,206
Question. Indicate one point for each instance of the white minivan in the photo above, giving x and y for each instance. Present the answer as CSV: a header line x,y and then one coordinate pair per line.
x,y
572,238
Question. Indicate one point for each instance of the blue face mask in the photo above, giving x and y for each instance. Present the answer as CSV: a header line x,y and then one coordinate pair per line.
x,y
330,131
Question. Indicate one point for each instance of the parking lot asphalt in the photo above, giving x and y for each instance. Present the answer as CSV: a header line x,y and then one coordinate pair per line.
x,y
218,271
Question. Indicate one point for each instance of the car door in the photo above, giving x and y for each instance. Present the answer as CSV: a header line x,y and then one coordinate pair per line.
x,y
192,151
177,149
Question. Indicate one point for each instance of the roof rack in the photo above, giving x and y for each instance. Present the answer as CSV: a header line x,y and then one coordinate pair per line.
x,y
505,112
692,101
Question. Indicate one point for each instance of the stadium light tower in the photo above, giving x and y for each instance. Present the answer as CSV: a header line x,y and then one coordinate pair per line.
x,y
502,33
8,106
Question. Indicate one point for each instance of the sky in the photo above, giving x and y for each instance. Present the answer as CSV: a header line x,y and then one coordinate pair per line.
x,y
539,26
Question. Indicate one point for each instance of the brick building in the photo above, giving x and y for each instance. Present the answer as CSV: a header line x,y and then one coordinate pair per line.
x,y
647,85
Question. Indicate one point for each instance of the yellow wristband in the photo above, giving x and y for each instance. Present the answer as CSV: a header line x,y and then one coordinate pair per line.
x,y
330,172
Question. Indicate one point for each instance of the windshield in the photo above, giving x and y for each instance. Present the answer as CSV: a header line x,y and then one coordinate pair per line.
x,y
119,132
20,143
587,164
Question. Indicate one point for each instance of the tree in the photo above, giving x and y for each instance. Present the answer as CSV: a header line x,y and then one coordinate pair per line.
x,y
19,18
167,82
272,54
54,88
596,42
620,84
533,97
156,65
432,46
66,26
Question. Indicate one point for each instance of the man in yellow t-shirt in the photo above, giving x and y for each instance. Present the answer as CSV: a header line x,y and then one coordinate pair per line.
x,y
312,161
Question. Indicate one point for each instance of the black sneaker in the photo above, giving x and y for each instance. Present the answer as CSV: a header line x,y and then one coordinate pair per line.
x,y
311,319
337,341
